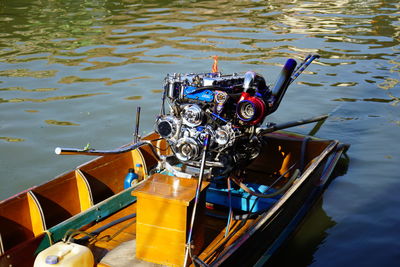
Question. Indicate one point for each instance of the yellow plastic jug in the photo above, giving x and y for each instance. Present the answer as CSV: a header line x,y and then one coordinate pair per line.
x,y
66,255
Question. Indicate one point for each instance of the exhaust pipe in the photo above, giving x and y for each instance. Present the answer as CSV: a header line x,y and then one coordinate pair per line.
x,y
282,84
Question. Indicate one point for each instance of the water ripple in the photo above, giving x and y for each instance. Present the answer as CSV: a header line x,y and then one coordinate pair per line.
x,y
61,123
94,61
48,99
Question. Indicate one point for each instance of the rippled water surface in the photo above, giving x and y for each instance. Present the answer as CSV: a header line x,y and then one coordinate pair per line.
x,y
72,73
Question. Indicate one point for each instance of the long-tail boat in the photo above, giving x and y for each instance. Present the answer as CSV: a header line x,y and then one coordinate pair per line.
x,y
210,187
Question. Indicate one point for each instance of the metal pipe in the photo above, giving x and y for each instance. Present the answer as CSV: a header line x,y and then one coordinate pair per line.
x,y
276,127
1,246
198,189
136,134
282,83
228,223
304,65
94,152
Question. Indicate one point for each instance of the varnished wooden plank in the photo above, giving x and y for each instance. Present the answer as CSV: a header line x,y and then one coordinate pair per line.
x,y
95,213
36,213
22,255
84,191
15,221
139,164
59,199
106,174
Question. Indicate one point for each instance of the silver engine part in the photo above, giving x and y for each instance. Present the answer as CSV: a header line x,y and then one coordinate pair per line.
x,y
204,104
187,149
192,115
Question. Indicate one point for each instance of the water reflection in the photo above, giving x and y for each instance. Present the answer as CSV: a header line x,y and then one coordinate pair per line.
x,y
393,100
299,250
11,139
75,79
22,89
47,99
61,123
28,73
69,58
244,27
135,97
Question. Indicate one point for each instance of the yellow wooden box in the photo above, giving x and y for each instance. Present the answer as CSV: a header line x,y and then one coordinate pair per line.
x,y
164,207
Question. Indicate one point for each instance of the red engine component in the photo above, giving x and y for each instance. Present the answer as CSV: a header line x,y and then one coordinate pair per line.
x,y
251,109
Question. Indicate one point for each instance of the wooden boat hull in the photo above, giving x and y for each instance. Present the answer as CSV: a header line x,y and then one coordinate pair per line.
x,y
269,233
83,198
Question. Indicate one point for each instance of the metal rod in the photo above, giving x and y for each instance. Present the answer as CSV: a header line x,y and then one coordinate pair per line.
x,y
316,128
94,152
321,122
136,134
304,65
1,246
290,124
228,223
198,189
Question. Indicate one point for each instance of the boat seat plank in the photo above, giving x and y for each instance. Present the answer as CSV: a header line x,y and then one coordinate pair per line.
x,y
84,191
59,199
106,175
15,221
37,216
139,164
95,213
99,189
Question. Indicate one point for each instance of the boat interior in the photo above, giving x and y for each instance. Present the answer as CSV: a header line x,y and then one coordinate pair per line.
x,y
41,209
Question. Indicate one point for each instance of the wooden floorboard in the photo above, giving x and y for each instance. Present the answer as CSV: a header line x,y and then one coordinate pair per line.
x,y
120,251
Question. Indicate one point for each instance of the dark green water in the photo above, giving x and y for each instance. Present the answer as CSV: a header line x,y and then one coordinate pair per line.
x,y
73,72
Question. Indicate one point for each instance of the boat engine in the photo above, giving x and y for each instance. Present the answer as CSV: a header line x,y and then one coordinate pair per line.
x,y
219,114
227,108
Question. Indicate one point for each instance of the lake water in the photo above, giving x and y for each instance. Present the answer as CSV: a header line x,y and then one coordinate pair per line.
x,y
73,72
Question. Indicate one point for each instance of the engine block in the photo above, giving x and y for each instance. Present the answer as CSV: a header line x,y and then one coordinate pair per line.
x,y
227,108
